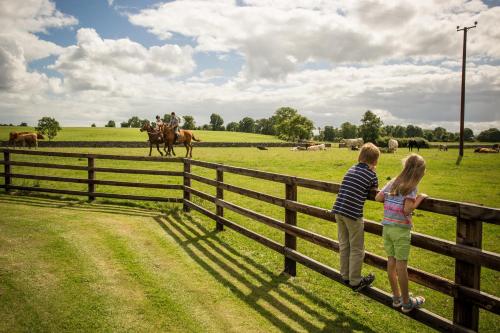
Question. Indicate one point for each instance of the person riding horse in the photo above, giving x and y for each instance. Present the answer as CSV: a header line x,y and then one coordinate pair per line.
x,y
174,124
159,124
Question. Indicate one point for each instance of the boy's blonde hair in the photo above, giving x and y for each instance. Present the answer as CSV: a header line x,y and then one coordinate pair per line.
x,y
369,153
408,179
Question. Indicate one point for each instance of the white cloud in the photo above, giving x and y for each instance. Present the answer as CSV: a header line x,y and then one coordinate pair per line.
x,y
271,33
111,65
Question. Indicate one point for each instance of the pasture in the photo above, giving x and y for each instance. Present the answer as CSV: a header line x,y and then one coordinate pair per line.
x,y
317,303
133,134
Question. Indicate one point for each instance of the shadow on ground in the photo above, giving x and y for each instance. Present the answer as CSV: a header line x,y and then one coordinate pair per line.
x,y
284,297
289,307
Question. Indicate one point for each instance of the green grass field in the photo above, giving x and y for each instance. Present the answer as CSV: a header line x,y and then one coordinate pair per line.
x,y
333,307
133,134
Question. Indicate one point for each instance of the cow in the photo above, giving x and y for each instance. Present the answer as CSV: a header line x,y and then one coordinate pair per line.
x,y
350,143
13,136
393,145
483,150
29,139
317,147
443,147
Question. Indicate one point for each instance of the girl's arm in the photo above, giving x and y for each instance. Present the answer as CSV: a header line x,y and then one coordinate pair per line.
x,y
380,196
411,205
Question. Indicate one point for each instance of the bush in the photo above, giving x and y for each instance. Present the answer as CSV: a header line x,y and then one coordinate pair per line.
x,y
402,142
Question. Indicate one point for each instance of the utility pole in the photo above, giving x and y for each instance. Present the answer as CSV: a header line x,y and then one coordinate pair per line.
x,y
462,98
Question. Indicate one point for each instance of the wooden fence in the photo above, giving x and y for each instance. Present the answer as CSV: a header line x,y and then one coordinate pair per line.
x,y
467,252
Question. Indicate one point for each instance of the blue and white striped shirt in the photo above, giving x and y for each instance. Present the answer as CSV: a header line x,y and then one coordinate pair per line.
x,y
354,190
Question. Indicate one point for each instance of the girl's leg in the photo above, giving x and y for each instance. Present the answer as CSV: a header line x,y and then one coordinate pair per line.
x,y
403,279
393,276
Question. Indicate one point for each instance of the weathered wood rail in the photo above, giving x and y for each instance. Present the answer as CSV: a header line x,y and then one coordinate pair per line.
x,y
466,250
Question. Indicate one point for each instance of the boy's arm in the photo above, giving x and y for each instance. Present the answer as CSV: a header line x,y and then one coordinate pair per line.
x,y
411,205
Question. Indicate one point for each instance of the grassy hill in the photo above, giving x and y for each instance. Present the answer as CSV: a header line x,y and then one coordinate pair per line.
x,y
133,134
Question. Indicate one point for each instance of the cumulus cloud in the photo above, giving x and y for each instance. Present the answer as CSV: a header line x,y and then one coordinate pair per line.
x,y
270,33
110,65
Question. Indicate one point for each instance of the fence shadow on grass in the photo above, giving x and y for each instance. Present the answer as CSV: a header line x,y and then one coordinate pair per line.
x,y
191,235
49,201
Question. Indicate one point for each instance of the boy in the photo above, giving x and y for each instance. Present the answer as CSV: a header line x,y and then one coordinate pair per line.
x,y
348,210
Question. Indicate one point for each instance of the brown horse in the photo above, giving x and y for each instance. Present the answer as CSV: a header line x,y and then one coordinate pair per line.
x,y
185,137
155,137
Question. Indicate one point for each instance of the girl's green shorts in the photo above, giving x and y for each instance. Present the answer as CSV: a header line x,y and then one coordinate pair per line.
x,y
397,241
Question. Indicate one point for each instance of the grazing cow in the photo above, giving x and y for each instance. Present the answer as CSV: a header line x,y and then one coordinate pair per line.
x,y
413,144
317,147
393,145
349,143
29,139
443,147
13,136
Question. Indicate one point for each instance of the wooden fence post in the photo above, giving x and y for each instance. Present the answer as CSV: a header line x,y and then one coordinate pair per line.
x,y
466,314
6,168
291,218
187,183
220,195
91,177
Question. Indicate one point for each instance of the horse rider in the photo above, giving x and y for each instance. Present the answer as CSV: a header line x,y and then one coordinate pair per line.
x,y
174,124
159,124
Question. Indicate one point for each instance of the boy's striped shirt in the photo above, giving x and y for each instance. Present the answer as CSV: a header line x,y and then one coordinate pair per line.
x,y
354,191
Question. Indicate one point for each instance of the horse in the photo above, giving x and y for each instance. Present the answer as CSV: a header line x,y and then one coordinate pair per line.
x,y
155,137
185,137
413,144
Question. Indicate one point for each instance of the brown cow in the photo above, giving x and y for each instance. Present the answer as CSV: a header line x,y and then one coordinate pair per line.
x,y
29,139
483,150
14,135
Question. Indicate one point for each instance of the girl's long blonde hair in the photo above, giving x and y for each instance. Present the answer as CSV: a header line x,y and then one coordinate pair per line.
x,y
408,179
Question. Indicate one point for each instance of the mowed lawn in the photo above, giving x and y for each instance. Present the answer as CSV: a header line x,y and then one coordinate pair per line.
x,y
133,134
476,180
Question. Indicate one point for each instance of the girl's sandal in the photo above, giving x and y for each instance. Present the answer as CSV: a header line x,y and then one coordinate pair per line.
x,y
397,301
415,302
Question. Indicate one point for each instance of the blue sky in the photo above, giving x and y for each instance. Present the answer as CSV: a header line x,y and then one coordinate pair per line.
x,y
95,60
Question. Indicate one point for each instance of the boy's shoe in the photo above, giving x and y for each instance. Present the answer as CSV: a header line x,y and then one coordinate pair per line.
x,y
415,302
397,301
365,282
345,281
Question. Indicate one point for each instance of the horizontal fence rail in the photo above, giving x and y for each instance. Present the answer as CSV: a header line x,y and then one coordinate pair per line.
x,y
467,250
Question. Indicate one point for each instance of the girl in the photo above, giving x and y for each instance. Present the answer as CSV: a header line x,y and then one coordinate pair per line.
x,y
400,199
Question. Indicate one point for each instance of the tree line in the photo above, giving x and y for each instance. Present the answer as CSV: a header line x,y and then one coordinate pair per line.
x,y
288,124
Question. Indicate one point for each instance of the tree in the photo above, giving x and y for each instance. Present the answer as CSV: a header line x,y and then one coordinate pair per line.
x,y
329,133
48,126
440,134
232,127
370,127
124,124
349,131
290,125
265,126
144,122
399,131
206,127
414,131
387,130
217,122
247,125
468,134
490,135
134,122
428,135
93,125
189,123
110,123
23,124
